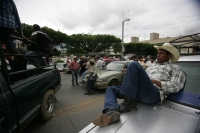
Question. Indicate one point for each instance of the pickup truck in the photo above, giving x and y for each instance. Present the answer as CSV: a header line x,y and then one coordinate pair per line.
x,y
23,100
178,113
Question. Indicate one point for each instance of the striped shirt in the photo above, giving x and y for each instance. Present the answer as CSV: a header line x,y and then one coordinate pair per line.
x,y
8,15
171,76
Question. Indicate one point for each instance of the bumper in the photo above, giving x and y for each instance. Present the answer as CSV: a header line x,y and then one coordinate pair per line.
x,y
98,85
66,69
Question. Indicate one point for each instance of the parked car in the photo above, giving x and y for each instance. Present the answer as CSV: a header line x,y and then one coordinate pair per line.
x,y
113,75
179,113
66,68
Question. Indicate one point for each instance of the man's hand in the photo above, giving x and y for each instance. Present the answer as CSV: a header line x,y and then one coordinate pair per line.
x,y
157,82
22,35
124,71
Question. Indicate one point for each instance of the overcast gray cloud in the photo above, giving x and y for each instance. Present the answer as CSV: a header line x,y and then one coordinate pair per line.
x,y
166,17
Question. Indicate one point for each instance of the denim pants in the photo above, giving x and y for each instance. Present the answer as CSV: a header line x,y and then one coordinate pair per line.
x,y
89,82
36,61
136,84
5,37
83,75
74,75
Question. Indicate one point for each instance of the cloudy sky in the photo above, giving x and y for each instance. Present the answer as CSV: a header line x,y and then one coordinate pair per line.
x,y
166,17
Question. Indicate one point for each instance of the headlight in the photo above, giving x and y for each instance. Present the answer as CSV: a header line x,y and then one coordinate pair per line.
x,y
100,80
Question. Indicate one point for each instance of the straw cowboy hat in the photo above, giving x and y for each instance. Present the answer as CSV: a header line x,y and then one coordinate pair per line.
x,y
92,60
170,48
83,56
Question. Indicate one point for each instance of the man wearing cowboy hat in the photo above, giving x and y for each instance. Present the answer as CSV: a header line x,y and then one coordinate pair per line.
x,y
82,64
92,71
74,67
147,87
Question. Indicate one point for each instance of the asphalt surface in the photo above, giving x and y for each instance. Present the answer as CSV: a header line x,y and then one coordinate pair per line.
x,y
73,110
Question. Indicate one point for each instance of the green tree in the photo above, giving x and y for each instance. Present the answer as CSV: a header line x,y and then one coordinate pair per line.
x,y
27,30
147,48
56,52
85,43
117,48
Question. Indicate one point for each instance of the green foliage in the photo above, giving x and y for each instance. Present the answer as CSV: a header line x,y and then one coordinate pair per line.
x,y
85,43
117,48
59,61
56,52
27,30
147,48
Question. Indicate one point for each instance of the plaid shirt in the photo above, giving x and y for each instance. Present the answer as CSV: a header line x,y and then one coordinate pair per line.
x,y
74,66
171,76
8,15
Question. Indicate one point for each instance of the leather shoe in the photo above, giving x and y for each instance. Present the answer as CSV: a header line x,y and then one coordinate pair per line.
x,y
110,116
128,104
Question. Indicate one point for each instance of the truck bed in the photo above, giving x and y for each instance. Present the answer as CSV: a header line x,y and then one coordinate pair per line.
x,y
166,118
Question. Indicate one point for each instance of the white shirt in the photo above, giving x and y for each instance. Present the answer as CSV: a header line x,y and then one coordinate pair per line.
x,y
99,64
149,63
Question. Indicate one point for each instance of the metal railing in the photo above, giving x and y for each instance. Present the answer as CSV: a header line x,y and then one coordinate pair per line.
x,y
3,64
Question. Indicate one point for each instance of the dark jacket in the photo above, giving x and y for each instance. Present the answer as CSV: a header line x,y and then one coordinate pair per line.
x,y
44,42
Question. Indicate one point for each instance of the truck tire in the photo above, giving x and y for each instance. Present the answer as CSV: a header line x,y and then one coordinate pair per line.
x,y
47,106
114,82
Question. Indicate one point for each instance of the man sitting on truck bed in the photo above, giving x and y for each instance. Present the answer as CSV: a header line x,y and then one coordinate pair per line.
x,y
141,86
44,44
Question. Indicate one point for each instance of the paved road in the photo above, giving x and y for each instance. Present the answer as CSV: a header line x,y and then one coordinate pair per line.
x,y
73,110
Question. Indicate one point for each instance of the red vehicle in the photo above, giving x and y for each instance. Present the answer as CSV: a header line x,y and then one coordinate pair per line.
x,y
108,60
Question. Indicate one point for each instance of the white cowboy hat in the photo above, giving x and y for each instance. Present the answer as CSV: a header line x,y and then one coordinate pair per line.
x,y
170,48
91,60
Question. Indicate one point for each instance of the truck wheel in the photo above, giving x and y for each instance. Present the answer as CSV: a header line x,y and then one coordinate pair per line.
x,y
47,106
113,82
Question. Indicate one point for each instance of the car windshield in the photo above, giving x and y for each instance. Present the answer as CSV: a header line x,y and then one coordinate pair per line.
x,y
115,66
192,71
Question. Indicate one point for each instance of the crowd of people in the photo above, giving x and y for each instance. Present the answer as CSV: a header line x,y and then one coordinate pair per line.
x,y
82,67
91,65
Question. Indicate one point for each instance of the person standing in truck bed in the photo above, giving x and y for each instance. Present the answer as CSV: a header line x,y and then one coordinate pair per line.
x,y
9,22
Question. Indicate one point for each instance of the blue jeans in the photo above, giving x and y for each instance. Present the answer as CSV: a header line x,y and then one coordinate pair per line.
x,y
83,75
75,75
5,37
89,82
36,61
136,84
